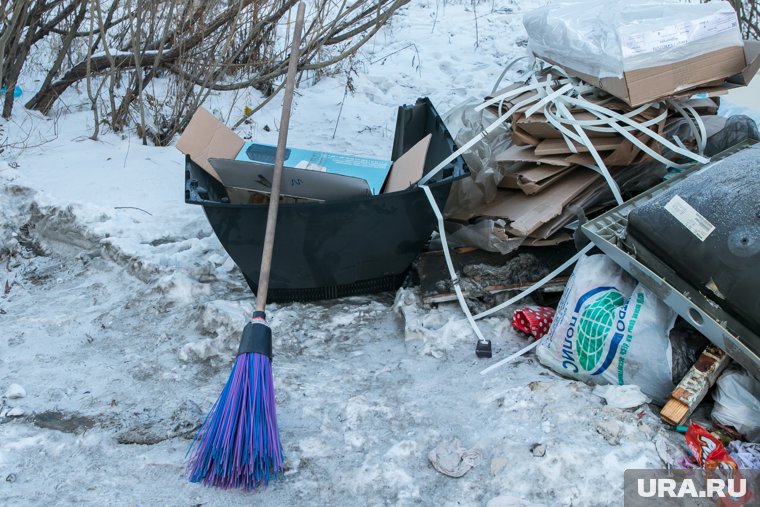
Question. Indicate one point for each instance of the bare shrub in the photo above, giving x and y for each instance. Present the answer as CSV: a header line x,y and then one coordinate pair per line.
x,y
120,48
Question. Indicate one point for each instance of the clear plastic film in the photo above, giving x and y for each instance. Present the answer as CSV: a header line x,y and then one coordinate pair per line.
x,y
486,233
605,38
485,175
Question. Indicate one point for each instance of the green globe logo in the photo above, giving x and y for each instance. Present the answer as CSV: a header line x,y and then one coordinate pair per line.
x,y
594,325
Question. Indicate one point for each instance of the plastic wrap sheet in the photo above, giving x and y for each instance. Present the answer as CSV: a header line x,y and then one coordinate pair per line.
x,y
605,38
728,109
481,186
487,234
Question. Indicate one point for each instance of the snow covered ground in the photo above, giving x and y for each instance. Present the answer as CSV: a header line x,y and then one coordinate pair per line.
x,y
120,314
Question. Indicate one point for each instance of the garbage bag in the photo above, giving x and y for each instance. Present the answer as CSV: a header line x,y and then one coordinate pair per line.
x,y
728,108
737,403
609,329
738,128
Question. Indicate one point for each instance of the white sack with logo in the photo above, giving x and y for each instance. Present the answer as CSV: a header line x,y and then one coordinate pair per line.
x,y
609,329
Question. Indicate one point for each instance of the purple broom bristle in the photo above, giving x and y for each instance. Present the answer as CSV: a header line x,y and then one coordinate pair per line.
x,y
238,445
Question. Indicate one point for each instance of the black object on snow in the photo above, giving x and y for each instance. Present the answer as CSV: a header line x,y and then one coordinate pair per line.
x,y
707,228
343,248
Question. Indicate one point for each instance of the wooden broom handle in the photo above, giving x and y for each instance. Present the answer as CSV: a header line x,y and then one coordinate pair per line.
x,y
274,200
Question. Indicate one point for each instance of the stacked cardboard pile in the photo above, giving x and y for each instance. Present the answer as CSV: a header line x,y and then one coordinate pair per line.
x,y
653,64
547,179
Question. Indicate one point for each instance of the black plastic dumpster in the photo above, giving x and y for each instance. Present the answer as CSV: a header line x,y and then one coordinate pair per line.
x,y
341,248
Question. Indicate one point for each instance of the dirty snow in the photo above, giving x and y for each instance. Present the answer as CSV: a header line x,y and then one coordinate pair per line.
x,y
120,314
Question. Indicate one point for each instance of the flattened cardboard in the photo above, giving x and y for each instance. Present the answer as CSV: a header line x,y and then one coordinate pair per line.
x,y
299,183
532,179
556,239
206,137
640,86
407,169
538,126
522,138
626,153
515,154
560,147
528,213
581,201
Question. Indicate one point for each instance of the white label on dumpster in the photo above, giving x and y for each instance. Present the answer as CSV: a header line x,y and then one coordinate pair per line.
x,y
680,34
690,218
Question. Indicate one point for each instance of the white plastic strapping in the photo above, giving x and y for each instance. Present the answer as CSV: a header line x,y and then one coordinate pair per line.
x,y
555,105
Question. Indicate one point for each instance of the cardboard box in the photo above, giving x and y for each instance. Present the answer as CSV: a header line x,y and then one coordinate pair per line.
x,y
640,86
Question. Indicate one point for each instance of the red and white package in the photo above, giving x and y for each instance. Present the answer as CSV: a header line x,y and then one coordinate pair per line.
x,y
533,320
713,457
707,449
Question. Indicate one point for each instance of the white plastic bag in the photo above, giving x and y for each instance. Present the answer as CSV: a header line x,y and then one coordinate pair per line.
x,y
737,403
610,330
605,38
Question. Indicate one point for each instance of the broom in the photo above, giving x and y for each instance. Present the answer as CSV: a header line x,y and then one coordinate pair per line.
x,y
238,445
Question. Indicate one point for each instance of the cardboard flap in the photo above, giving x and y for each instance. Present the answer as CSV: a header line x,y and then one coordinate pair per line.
x,y
407,170
206,137
752,59
539,127
581,201
528,213
560,147
533,178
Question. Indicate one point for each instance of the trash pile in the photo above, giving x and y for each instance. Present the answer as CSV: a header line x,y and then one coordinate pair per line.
x,y
575,153
617,129
612,138
611,104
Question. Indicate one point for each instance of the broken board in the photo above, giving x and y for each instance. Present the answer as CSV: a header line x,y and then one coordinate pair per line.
x,y
483,273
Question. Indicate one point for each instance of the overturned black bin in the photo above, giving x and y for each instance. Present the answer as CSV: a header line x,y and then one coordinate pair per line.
x,y
340,248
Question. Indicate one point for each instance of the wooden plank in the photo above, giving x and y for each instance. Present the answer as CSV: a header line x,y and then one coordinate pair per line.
x,y
694,386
